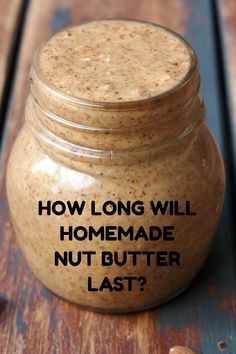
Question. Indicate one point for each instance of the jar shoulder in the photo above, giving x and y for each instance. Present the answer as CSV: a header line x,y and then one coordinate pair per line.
x,y
199,166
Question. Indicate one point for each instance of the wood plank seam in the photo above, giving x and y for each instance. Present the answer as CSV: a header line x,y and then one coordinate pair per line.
x,y
11,67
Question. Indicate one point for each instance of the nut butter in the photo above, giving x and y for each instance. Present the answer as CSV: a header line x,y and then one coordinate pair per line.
x,y
115,114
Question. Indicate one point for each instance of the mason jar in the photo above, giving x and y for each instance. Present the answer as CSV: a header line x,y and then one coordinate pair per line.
x,y
115,202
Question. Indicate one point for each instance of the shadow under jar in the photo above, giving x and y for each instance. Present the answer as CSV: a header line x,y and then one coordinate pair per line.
x,y
115,114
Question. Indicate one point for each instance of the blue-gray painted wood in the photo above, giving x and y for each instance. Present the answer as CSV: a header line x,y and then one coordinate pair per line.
x,y
198,305
229,126
61,18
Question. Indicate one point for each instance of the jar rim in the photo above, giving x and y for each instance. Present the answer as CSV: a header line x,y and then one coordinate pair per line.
x,y
111,105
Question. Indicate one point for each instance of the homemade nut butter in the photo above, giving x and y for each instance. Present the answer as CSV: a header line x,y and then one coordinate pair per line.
x,y
115,183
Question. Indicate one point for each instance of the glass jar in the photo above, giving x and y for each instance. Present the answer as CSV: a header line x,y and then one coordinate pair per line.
x,y
118,159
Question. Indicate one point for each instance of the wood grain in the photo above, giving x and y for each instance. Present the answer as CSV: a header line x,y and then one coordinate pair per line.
x,y
33,320
228,16
228,8
10,11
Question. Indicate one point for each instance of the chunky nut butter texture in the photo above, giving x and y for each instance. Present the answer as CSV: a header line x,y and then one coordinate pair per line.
x,y
115,114
114,61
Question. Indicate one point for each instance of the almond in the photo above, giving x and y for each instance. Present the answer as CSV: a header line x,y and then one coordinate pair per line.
x,y
180,350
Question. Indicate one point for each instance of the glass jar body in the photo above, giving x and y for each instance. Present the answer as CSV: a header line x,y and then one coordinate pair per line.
x,y
193,172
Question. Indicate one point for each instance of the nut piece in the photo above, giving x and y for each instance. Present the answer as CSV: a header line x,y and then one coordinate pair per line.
x,y
180,350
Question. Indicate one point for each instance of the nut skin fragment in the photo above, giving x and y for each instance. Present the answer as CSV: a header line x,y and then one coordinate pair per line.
x,y
181,350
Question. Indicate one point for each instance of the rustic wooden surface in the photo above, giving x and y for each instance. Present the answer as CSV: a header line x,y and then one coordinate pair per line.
x,y
32,320
10,15
227,10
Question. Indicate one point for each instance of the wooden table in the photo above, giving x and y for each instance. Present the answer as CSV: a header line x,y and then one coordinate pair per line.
x,y
32,320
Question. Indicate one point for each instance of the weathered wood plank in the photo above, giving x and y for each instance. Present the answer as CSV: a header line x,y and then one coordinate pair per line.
x,y
10,11
35,321
227,16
